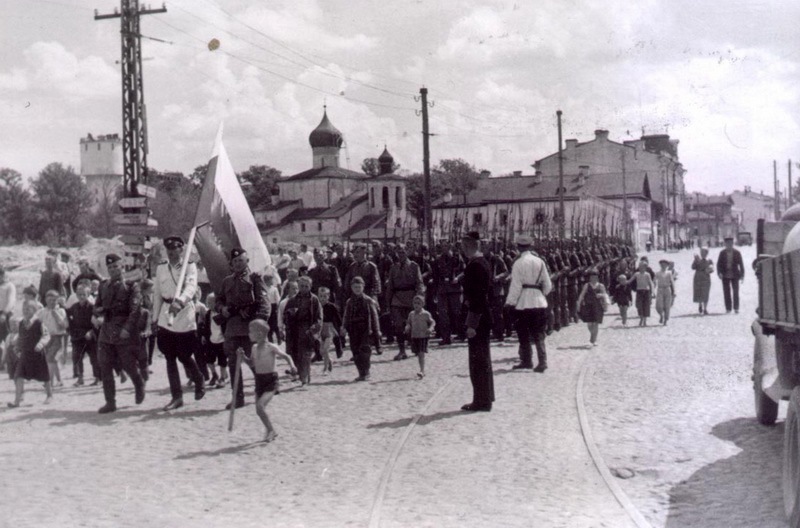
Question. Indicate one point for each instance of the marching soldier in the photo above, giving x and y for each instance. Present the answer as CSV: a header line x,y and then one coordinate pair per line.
x,y
242,298
175,320
447,268
118,304
405,282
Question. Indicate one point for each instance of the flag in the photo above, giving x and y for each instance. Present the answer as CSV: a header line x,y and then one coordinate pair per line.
x,y
226,221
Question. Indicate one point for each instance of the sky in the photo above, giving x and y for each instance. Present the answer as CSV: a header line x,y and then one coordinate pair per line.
x,y
721,77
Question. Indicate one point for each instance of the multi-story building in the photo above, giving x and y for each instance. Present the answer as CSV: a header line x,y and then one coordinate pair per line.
x,y
753,206
101,168
654,156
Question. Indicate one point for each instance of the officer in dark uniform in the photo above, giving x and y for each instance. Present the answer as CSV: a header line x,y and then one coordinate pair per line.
x,y
477,286
118,303
242,298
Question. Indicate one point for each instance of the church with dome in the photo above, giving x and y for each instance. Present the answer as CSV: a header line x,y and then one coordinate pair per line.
x,y
328,203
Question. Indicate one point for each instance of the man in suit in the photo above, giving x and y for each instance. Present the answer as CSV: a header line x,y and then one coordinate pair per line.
x,y
730,269
477,286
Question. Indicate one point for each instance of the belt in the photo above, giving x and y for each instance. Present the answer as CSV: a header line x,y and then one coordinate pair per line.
x,y
167,300
531,286
404,288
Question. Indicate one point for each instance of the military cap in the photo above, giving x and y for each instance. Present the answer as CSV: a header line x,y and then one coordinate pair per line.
x,y
359,245
235,252
472,235
663,261
174,242
727,238
524,240
112,258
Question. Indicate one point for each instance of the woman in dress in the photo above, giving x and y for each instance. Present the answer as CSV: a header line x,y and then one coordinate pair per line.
x,y
591,305
703,270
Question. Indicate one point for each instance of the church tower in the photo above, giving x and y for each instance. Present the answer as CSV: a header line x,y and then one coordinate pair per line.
x,y
325,140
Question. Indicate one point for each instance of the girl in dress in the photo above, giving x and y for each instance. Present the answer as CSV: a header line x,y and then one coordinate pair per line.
x,y
592,303
703,270
31,342
622,297
54,319
665,284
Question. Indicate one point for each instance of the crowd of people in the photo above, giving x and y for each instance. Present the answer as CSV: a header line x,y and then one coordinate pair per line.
x,y
313,303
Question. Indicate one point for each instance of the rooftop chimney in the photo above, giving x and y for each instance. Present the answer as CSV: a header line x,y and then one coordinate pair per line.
x,y
571,144
537,177
601,134
518,173
275,199
583,174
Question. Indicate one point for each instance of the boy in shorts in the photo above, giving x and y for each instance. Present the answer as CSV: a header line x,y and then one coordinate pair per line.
x,y
262,361
419,326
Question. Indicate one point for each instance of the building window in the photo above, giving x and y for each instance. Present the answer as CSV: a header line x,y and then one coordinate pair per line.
x,y
98,146
385,198
274,240
319,226
372,198
539,216
477,218
303,227
397,201
398,222
503,218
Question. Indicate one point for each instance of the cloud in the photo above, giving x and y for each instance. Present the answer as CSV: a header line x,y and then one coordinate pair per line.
x,y
51,67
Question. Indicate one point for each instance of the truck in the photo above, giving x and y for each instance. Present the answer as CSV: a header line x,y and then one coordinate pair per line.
x,y
776,352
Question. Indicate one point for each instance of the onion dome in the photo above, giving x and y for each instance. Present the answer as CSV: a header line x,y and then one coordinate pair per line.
x,y
385,160
325,135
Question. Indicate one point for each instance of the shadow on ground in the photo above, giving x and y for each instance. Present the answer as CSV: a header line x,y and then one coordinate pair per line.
x,y
233,450
742,490
425,420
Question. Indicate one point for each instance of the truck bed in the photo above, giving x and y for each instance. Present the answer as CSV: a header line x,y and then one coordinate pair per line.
x,y
779,279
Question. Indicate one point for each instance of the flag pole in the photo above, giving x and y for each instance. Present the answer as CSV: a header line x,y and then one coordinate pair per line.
x,y
182,276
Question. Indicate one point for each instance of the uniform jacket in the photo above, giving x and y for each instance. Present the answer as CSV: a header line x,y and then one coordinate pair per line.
x,y
477,287
119,303
447,267
732,268
361,309
245,296
530,282
165,284
369,272
405,281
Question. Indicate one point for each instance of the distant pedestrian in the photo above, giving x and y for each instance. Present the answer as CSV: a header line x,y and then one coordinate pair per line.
x,y
592,305
50,279
730,270
621,295
303,320
665,291
262,360
8,300
701,286
54,318
419,327
644,292
81,332
331,328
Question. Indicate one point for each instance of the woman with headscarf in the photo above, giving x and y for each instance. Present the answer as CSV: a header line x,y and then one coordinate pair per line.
x,y
703,270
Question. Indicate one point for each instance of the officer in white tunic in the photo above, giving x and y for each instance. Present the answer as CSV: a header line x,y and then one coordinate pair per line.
x,y
527,295
174,317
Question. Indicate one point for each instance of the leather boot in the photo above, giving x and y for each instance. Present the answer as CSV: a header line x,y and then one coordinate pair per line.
x,y
176,403
541,355
139,388
109,407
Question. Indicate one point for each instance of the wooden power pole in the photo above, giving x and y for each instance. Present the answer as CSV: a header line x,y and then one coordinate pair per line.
x,y
426,167
561,219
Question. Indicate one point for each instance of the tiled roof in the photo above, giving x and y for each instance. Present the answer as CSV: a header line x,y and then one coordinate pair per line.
x,y
529,188
326,172
279,205
365,222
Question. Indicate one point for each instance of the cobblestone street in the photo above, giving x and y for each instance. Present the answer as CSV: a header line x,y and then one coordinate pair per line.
x,y
669,407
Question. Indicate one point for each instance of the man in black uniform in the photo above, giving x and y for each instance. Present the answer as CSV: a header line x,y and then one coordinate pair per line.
x,y
477,285
118,343
242,298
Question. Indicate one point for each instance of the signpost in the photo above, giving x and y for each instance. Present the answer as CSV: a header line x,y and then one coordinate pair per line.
x,y
138,202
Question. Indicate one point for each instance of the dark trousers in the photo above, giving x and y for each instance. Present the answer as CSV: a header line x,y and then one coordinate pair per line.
x,y
151,348
124,355
179,346
449,305
231,344
360,346
81,348
727,286
399,319
273,335
480,370
498,321
531,326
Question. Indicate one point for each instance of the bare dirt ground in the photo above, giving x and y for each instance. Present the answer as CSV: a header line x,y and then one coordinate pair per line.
x,y
671,404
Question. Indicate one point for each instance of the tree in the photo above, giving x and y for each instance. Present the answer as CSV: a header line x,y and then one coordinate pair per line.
x,y
258,183
62,203
16,206
108,190
175,204
457,175
372,167
198,175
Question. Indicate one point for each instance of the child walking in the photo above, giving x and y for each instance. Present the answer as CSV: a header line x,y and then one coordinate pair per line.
x,y
262,361
79,316
31,342
665,293
54,319
591,305
331,327
419,327
622,297
644,292
362,325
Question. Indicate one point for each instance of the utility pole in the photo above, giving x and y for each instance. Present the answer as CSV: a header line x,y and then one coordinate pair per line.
x,y
624,199
776,190
134,115
560,181
135,223
426,166
789,189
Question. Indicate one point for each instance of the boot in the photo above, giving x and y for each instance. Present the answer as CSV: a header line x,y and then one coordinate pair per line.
x,y
541,356
139,388
199,390
109,407
176,403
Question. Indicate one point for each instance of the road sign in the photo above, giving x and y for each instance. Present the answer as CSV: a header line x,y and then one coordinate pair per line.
x,y
133,203
146,190
133,275
131,218
132,239
134,229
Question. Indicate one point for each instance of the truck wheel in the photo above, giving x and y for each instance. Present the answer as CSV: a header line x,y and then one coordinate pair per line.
x,y
791,461
766,407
